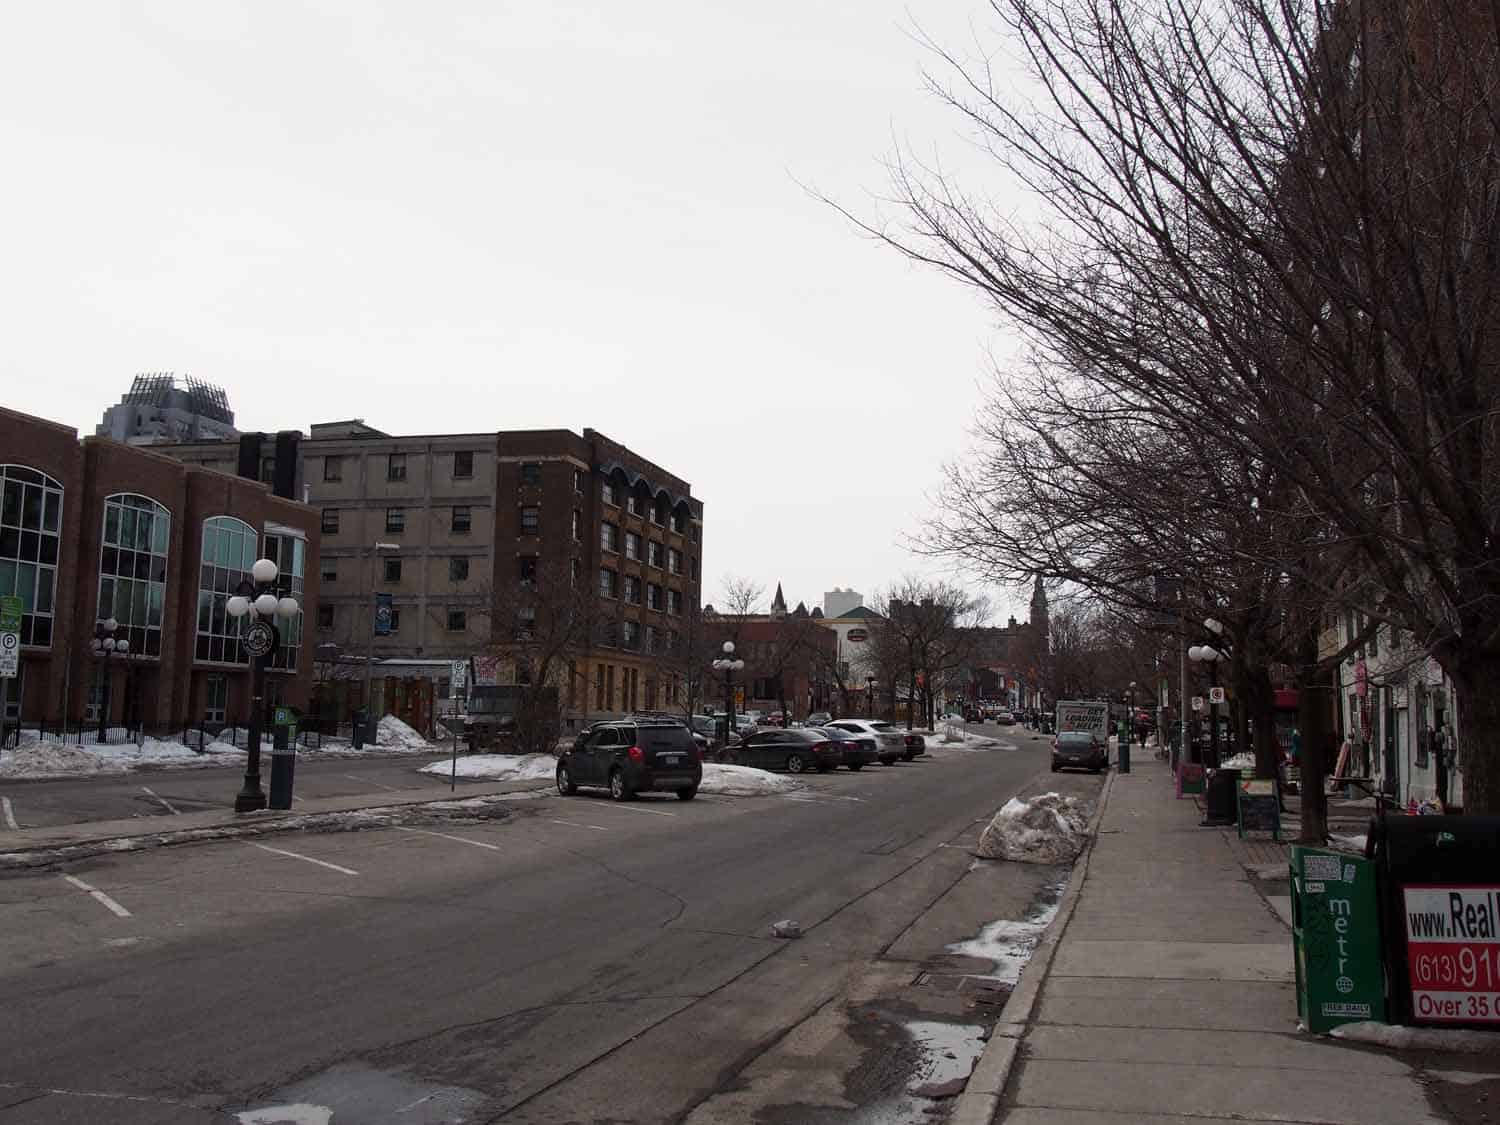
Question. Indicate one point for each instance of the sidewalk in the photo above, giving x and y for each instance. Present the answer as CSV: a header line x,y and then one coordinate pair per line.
x,y
1169,997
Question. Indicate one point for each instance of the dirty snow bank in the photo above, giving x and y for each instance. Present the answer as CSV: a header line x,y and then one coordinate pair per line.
x,y
38,758
1419,1038
1008,944
393,732
497,767
743,781
1049,828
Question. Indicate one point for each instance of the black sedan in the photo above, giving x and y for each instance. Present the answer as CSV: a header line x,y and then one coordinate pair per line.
x,y
859,750
795,750
1079,748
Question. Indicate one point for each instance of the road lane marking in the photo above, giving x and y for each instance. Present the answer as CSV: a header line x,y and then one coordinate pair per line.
x,y
306,858
445,836
296,798
152,793
637,808
99,896
369,781
575,824
10,814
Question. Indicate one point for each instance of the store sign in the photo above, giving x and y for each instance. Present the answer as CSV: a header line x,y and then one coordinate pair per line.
x,y
486,670
383,610
858,636
1453,953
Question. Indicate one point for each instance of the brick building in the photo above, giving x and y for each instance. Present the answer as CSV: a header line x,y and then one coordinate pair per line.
x,y
483,530
789,656
96,529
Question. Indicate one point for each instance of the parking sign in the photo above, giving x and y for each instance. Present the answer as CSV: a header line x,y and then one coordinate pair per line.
x,y
10,636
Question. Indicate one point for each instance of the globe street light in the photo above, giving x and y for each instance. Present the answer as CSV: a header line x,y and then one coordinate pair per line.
x,y
728,665
259,602
104,645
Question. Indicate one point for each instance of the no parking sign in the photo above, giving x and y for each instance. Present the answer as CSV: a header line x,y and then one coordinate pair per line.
x,y
10,636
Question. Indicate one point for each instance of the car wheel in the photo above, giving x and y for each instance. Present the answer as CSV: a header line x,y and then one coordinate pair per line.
x,y
687,794
795,764
857,766
618,788
1056,768
565,784
887,761
909,756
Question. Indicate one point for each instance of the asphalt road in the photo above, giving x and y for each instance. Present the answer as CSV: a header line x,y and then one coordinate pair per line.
x,y
577,960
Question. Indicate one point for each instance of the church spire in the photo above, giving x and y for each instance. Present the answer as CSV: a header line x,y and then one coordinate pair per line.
x,y
1039,605
778,603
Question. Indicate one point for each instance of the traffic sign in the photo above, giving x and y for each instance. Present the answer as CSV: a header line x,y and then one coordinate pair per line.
x,y
10,614
459,674
1216,695
1197,703
10,636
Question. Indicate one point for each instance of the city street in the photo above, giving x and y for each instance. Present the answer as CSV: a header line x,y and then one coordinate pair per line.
x,y
574,960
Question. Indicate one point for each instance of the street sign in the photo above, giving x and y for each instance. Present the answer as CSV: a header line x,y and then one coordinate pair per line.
x,y
260,638
458,674
1216,695
1197,703
10,637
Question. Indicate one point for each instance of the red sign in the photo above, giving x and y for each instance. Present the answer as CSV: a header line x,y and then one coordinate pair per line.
x,y
1453,953
858,635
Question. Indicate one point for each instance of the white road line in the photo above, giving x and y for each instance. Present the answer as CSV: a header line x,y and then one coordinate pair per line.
x,y
295,797
152,793
445,836
306,858
10,814
637,808
378,784
99,896
575,824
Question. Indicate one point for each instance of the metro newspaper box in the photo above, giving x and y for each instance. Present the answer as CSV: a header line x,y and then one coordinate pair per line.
x,y
1336,939
1440,893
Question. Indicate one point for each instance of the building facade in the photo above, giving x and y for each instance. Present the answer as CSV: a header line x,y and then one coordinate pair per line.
x,y
481,541
97,529
161,407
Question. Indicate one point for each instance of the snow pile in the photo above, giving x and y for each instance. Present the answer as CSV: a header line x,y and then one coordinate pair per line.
x,y
1419,1038
743,781
42,759
51,759
498,767
1050,828
393,732
1355,844
1008,945
1240,762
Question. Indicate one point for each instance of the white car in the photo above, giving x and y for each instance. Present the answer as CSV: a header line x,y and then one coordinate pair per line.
x,y
890,743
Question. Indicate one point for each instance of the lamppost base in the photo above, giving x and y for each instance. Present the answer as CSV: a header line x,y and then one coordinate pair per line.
x,y
249,800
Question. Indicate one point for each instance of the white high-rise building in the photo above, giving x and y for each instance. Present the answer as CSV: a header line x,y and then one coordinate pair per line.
x,y
837,602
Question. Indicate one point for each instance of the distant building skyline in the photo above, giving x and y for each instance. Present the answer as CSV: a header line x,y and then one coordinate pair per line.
x,y
160,407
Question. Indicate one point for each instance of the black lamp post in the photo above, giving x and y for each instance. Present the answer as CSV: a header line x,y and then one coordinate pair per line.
x,y
258,600
1207,654
870,697
729,666
105,645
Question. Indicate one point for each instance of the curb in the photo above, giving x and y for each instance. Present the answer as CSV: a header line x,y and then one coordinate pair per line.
x,y
980,1101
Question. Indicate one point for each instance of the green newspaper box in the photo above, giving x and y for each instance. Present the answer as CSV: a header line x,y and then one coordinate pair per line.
x,y
1336,939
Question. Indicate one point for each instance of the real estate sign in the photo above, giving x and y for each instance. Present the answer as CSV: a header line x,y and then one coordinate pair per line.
x,y
1453,953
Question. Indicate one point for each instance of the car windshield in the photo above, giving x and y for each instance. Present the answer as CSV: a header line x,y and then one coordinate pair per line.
x,y
881,726
838,734
1078,737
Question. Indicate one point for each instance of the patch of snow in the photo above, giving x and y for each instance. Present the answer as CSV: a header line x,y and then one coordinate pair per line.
x,y
1049,828
743,781
52,759
949,1052
300,1113
1240,762
1355,844
1007,944
42,758
391,731
498,767
1458,1040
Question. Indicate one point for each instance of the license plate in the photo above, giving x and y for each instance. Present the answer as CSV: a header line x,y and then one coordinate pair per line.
x,y
669,760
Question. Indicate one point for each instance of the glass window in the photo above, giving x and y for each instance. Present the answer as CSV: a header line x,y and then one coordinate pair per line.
x,y
462,519
531,520
632,545
653,596
607,583
526,568
458,569
329,571
392,570
674,601
229,551
395,620
30,523
325,617
632,590
674,560
395,520
608,495
133,569
609,537
333,468
679,521
330,521
631,632
289,553
577,480
457,620
577,526
463,463
653,553
636,505
395,466
531,473
215,698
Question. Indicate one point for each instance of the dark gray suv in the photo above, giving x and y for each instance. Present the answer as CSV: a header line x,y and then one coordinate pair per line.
x,y
633,756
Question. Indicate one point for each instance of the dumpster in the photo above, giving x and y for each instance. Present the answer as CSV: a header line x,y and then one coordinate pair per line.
x,y
1439,880
1336,945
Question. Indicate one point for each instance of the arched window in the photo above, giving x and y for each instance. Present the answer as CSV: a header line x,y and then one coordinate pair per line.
x,y
30,534
229,551
133,569
288,551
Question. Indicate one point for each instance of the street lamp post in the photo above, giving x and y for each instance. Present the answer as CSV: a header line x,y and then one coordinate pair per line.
x,y
258,600
869,697
1207,654
728,665
104,645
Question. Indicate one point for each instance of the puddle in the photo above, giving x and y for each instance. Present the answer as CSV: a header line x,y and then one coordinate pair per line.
x,y
1008,944
358,1094
300,1114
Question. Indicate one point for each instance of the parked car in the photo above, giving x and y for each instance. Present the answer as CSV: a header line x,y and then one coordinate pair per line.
x,y
818,718
792,750
915,744
890,745
859,749
631,756
1079,748
1004,718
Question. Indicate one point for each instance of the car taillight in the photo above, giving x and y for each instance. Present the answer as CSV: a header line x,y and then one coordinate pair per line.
x,y
822,747
636,754
699,749
911,740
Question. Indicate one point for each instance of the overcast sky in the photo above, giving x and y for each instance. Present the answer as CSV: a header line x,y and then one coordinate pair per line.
x,y
444,217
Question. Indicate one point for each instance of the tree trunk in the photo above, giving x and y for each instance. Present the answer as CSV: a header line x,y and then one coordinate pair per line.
x,y
1239,713
1263,716
911,696
1478,729
1314,700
